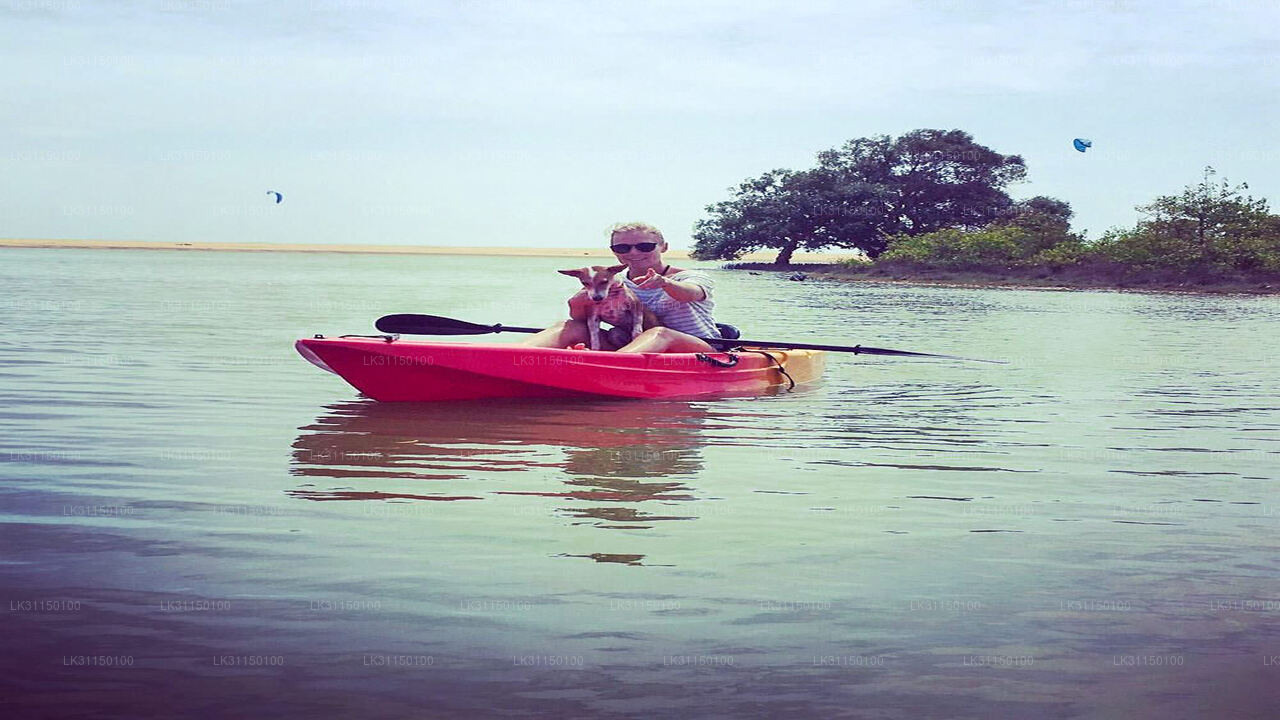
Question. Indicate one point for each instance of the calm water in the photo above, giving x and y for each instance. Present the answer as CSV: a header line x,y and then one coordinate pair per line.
x,y
195,520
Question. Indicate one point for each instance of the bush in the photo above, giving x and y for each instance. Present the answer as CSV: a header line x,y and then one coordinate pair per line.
x,y
857,262
1256,253
1144,250
959,250
1151,247
1211,228
1065,254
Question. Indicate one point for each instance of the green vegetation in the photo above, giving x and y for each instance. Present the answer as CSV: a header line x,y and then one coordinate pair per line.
x,y
1211,232
1210,228
861,195
1032,232
933,202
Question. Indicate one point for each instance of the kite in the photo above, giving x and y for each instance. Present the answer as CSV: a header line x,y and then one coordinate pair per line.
x,y
1079,143
279,197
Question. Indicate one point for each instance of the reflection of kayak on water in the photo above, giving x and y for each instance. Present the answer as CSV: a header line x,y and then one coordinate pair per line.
x,y
593,452
307,494
456,441
413,370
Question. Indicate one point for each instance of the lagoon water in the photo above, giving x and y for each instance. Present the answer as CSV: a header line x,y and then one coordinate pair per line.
x,y
198,522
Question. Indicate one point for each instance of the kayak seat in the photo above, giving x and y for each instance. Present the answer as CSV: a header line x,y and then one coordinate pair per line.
x,y
728,332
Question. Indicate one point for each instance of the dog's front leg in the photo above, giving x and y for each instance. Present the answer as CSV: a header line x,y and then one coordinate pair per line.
x,y
637,321
593,330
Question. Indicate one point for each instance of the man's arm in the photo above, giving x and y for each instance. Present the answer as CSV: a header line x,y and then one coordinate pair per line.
x,y
684,291
678,290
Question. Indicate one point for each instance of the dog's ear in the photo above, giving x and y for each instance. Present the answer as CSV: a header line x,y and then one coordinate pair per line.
x,y
615,269
580,273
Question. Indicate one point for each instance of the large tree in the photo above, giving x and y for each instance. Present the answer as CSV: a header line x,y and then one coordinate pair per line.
x,y
789,211
861,194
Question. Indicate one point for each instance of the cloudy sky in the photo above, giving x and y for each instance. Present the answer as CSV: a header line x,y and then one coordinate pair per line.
x,y
539,123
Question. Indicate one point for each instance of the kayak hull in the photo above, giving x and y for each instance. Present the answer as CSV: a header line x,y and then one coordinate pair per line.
x,y
432,371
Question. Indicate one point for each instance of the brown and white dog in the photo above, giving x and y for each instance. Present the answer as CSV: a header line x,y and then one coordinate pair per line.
x,y
611,301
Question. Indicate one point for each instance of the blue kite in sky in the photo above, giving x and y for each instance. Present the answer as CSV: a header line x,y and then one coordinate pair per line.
x,y
280,197
1081,144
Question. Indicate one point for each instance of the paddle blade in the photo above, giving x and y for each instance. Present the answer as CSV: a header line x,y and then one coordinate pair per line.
x,y
413,324
864,350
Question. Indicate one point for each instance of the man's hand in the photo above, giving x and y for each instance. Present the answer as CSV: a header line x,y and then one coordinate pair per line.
x,y
651,281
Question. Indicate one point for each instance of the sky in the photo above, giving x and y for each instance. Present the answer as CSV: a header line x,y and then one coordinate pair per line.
x,y
541,123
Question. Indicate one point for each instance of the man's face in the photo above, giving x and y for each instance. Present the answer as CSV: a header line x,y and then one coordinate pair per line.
x,y
636,238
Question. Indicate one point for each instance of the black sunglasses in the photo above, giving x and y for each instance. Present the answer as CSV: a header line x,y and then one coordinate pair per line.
x,y
624,248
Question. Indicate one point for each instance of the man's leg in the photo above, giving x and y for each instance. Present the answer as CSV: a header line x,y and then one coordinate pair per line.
x,y
561,335
661,339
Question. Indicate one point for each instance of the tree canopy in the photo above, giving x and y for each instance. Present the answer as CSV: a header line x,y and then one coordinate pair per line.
x,y
863,193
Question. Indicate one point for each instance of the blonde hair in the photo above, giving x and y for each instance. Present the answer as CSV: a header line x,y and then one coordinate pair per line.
x,y
640,227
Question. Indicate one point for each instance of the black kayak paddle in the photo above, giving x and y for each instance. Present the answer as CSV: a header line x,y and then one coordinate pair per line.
x,y
413,324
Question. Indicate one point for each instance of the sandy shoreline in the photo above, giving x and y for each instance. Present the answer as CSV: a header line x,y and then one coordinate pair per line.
x,y
370,249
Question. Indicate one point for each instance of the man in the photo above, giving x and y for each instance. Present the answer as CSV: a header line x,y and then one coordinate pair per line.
x,y
681,299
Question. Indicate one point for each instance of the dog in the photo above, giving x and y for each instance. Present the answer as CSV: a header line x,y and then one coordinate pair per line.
x,y
613,302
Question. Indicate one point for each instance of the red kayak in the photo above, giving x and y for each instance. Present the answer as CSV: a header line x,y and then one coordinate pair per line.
x,y
411,370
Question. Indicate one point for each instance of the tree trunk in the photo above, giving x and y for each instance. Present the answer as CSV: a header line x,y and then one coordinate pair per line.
x,y
789,249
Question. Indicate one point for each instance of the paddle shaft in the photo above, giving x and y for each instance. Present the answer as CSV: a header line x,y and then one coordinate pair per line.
x,y
855,349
